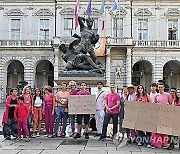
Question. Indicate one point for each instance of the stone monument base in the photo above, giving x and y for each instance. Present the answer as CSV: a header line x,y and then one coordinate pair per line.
x,y
90,77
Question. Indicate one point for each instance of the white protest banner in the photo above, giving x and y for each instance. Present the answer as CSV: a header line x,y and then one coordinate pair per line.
x,y
82,104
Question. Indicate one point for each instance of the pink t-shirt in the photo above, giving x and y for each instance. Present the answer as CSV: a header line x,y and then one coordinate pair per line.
x,y
48,99
163,98
112,101
27,100
73,92
152,96
83,93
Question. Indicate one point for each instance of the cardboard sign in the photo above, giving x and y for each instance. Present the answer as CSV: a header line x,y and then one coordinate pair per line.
x,y
157,118
82,104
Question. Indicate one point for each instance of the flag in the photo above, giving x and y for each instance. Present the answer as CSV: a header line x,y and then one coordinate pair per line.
x,y
102,9
76,9
88,11
115,5
102,6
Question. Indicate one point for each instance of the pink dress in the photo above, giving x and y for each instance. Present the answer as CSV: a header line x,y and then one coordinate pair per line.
x,y
158,139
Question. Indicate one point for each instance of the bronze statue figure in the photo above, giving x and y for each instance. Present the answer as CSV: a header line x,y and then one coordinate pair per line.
x,y
75,55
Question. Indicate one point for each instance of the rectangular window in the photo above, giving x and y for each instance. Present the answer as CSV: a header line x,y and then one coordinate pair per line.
x,y
118,28
15,29
142,29
95,25
68,26
172,29
44,29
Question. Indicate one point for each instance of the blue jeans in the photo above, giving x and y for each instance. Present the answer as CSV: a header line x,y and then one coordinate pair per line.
x,y
72,122
59,115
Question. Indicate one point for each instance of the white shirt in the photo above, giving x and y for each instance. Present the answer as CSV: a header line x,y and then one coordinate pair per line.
x,y
38,102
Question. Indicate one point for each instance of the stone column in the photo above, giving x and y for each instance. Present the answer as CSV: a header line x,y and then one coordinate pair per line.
x,y
2,87
56,62
158,72
128,66
108,66
28,72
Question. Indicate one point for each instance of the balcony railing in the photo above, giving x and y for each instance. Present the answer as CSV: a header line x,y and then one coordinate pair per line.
x,y
116,41
156,43
25,43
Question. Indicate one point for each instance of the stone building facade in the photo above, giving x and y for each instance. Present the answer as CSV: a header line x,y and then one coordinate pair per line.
x,y
142,40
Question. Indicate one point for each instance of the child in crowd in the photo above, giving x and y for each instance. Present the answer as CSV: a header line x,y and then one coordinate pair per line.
x,y
21,114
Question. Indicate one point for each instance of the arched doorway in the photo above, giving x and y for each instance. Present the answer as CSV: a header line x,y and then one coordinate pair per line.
x,y
15,73
142,74
171,73
44,74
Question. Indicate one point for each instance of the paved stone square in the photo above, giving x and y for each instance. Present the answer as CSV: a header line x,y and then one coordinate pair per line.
x,y
44,145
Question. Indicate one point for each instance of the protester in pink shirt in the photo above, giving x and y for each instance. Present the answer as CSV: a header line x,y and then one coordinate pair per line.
x,y
28,102
83,91
49,100
158,139
112,104
73,91
9,123
153,92
21,114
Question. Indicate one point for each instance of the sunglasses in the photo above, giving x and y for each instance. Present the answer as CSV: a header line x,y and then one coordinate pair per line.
x,y
83,85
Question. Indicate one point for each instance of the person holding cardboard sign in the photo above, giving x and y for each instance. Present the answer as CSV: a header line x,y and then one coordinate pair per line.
x,y
142,96
112,104
162,97
83,91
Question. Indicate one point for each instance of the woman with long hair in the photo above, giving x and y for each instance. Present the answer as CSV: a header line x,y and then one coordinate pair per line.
x,y
37,108
26,93
49,100
142,96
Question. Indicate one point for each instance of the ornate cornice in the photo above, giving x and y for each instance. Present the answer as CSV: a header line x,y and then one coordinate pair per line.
x,y
143,12
67,11
120,12
172,13
15,12
44,12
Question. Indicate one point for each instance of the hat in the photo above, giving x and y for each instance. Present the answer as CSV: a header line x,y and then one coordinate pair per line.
x,y
130,86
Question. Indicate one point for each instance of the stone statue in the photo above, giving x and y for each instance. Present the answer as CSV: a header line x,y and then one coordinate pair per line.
x,y
78,61
118,73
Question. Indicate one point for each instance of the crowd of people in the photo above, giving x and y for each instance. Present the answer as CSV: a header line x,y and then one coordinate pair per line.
x,y
21,111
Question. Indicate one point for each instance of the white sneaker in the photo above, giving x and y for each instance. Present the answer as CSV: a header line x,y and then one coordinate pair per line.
x,y
27,139
38,135
19,138
139,144
33,135
149,146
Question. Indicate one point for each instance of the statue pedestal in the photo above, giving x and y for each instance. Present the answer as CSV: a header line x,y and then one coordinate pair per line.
x,y
90,77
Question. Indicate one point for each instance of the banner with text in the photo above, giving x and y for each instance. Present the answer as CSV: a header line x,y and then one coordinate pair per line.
x,y
82,104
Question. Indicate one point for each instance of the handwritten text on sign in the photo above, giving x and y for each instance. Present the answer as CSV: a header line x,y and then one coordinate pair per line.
x,y
82,104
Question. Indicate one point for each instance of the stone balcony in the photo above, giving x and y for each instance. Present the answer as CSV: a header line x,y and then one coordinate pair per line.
x,y
117,41
157,43
25,43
